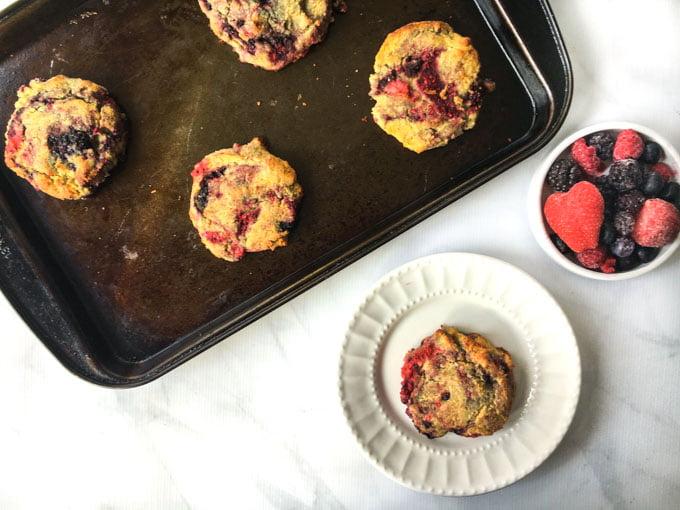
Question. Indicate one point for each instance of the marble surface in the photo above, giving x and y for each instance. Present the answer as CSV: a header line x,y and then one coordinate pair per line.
x,y
221,431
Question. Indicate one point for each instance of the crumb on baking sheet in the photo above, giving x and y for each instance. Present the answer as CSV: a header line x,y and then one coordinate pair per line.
x,y
128,253
82,16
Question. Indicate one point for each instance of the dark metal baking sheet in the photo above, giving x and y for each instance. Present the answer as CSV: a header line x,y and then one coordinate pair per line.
x,y
118,286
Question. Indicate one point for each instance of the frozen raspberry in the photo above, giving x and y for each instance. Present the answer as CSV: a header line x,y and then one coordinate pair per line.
x,y
563,174
593,258
603,143
651,153
658,224
625,175
630,201
664,170
624,221
609,265
586,157
628,145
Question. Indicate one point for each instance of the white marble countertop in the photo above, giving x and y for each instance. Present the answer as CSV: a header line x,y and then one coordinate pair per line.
x,y
222,432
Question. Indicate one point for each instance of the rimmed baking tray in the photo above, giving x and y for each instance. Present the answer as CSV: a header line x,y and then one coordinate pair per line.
x,y
118,286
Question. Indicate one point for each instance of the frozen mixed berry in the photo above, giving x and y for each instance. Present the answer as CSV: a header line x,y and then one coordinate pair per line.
x,y
608,233
651,153
625,175
670,192
646,254
652,184
609,265
624,221
563,174
559,244
576,215
630,201
664,170
603,143
623,247
628,145
640,194
608,192
593,258
627,263
657,224
586,157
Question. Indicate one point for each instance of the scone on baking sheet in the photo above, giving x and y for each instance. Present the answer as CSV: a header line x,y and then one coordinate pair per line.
x,y
269,33
64,136
243,199
425,85
457,383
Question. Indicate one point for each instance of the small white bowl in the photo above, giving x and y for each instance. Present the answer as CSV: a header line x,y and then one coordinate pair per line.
x,y
539,191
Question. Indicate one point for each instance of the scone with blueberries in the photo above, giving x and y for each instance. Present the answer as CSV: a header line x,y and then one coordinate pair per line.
x,y
243,199
456,382
425,85
269,33
64,136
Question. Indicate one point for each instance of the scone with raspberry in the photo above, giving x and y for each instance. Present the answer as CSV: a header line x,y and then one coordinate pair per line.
x,y
243,199
457,383
64,136
269,33
425,85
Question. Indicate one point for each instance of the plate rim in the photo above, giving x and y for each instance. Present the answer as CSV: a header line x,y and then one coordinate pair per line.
x,y
569,403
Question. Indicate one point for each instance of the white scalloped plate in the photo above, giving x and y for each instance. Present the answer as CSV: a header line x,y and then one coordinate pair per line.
x,y
478,294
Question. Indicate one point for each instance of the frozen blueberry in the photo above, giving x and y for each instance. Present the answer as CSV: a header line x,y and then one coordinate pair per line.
x,y
653,184
646,254
627,263
559,244
608,233
651,153
670,192
623,247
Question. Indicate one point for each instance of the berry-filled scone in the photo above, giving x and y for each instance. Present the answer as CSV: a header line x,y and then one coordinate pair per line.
x,y
243,199
64,136
425,85
269,33
457,383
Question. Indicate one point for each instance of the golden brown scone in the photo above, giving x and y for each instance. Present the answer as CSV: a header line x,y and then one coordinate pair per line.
x,y
269,33
457,383
243,199
64,136
425,84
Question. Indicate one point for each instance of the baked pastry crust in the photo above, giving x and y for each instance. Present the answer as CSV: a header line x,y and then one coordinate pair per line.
x,y
425,84
269,33
243,199
458,383
64,136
